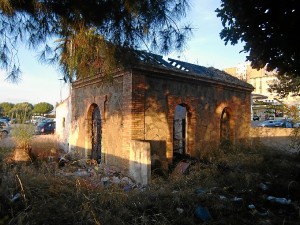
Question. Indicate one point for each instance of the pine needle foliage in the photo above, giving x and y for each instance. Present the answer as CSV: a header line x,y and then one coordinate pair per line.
x,y
88,32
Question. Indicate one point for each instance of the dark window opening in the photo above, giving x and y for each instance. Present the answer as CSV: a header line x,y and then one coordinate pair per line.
x,y
96,134
179,133
63,122
225,131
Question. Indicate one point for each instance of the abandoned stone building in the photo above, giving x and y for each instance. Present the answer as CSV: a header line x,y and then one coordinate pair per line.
x,y
160,110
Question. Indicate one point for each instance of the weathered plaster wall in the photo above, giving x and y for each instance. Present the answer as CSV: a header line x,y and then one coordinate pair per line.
x,y
140,163
63,124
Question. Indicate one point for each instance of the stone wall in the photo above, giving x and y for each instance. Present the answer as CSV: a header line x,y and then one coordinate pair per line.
x,y
137,112
109,97
274,138
204,103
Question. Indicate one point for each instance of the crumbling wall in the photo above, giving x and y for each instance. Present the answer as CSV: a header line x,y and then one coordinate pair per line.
x,y
63,123
204,103
140,105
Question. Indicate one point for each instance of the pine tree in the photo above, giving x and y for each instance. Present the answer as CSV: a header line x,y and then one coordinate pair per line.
x,y
91,36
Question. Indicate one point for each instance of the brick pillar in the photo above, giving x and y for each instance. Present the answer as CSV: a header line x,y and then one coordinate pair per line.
x,y
126,112
138,107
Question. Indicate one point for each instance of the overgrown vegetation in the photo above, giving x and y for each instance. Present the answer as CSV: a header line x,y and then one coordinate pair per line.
x,y
88,32
23,135
295,139
234,188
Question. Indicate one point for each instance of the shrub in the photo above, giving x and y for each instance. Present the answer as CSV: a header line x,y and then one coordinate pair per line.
x,y
295,137
23,135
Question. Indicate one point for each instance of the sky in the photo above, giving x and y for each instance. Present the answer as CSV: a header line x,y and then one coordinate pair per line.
x,y
42,83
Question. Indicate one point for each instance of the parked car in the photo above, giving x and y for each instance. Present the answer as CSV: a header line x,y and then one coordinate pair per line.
x,y
5,118
281,123
256,117
45,127
4,128
289,124
268,123
37,119
277,123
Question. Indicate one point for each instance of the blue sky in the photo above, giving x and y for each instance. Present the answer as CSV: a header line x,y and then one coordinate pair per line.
x,y
38,83
41,83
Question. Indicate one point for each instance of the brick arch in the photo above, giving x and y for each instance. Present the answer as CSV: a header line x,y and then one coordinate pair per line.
x,y
190,104
182,132
226,128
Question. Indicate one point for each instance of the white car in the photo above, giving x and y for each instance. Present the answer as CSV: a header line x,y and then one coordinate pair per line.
x,y
4,128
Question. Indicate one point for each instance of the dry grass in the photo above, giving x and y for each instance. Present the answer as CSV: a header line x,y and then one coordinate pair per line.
x,y
44,146
226,185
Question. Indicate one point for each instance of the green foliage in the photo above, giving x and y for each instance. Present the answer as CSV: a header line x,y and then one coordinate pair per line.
x,y
5,107
128,24
21,111
286,84
267,30
23,135
42,108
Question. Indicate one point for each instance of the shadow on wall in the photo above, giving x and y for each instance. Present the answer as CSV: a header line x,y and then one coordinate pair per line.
x,y
197,125
275,138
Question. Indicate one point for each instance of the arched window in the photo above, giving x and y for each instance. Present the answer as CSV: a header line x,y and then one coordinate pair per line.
x,y
225,131
94,121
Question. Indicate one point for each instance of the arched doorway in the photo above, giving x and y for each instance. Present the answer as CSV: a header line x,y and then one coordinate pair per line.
x,y
179,132
95,132
225,131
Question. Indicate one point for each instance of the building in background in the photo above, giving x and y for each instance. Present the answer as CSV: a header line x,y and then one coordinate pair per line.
x,y
268,103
